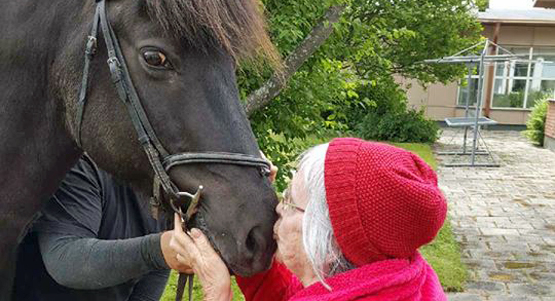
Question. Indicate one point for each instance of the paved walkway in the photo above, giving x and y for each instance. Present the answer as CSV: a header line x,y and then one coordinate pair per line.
x,y
504,219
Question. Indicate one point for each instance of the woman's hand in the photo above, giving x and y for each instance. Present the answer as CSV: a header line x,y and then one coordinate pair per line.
x,y
170,255
273,168
193,249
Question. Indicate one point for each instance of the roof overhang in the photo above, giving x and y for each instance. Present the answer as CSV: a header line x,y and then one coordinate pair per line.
x,y
535,16
517,22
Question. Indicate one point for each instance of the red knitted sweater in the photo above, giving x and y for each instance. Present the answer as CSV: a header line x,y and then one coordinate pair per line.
x,y
396,279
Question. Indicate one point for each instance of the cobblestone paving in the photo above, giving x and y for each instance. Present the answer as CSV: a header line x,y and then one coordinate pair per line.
x,y
504,219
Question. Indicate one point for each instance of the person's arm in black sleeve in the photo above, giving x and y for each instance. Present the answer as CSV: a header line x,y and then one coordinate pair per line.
x,y
90,263
67,234
150,287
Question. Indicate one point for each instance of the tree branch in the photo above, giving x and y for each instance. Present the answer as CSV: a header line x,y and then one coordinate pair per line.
x,y
273,87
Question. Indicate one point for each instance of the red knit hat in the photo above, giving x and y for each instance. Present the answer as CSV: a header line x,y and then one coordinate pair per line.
x,y
383,201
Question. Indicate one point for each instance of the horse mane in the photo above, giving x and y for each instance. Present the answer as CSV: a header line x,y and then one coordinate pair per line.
x,y
237,26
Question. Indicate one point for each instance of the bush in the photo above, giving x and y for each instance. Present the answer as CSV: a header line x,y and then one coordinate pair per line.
x,y
511,100
535,96
536,123
409,126
389,118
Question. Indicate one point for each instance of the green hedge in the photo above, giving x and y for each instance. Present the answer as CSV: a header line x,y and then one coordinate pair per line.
x,y
408,126
536,123
387,117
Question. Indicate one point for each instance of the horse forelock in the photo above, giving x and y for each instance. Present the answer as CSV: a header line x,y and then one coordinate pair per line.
x,y
237,26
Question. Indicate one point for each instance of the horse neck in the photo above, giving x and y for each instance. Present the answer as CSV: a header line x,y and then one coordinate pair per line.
x,y
37,149
36,153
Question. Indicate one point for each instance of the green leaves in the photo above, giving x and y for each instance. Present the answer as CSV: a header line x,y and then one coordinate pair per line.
x,y
535,127
482,4
373,41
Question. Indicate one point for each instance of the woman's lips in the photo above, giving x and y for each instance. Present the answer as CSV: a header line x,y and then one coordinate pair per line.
x,y
276,237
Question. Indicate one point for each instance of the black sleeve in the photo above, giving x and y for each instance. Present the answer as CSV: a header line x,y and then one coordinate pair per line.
x,y
67,233
89,263
151,286
76,207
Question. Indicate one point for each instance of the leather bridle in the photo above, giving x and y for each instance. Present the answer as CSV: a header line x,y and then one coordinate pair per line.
x,y
160,159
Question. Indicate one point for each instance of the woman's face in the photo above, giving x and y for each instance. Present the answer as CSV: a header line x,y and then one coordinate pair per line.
x,y
288,228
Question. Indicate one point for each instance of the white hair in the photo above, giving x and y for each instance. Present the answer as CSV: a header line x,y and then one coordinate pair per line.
x,y
318,239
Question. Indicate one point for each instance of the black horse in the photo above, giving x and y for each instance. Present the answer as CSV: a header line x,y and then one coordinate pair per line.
x,y
181,55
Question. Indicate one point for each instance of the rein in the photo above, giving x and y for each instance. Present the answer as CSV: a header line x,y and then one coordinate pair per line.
x,y
182,202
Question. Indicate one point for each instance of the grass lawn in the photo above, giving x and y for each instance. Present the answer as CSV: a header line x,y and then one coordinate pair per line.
x,y
445,257
422,150
169,293
443,253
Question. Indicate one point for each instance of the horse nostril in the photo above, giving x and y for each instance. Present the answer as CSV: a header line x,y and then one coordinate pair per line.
x,y
255,249
251,243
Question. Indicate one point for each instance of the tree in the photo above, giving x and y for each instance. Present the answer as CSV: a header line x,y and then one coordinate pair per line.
x,y
482,4
371,42
319,34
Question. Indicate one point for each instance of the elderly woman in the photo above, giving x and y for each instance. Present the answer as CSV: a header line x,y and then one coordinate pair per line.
x,y
349,228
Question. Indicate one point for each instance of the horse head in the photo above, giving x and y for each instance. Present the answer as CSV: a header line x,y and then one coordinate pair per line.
x,y
181,58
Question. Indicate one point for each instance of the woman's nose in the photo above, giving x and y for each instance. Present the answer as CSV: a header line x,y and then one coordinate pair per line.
x,y
279,209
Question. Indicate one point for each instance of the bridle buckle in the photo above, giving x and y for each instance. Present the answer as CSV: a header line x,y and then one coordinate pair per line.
x,y
114,64
92,44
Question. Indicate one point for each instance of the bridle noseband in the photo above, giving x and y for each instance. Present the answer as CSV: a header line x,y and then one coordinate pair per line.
x,y
160,159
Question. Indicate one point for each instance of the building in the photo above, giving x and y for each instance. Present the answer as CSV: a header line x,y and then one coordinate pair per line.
x,y
545,3
511,88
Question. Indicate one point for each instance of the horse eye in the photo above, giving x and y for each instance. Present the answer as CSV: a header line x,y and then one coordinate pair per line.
x,y
155,58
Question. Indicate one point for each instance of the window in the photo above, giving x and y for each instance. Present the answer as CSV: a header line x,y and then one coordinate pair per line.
x,y
519,85
463,92
463,89
509,88
542,81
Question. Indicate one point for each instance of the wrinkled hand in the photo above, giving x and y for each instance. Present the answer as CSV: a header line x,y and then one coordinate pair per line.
x,y
273,168
193,249
170,255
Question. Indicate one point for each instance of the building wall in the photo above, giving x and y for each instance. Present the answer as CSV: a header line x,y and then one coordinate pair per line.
x,y
549,139
545,3
440,100
550,120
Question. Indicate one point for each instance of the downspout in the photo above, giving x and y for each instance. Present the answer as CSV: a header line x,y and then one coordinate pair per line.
x,y
491,71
